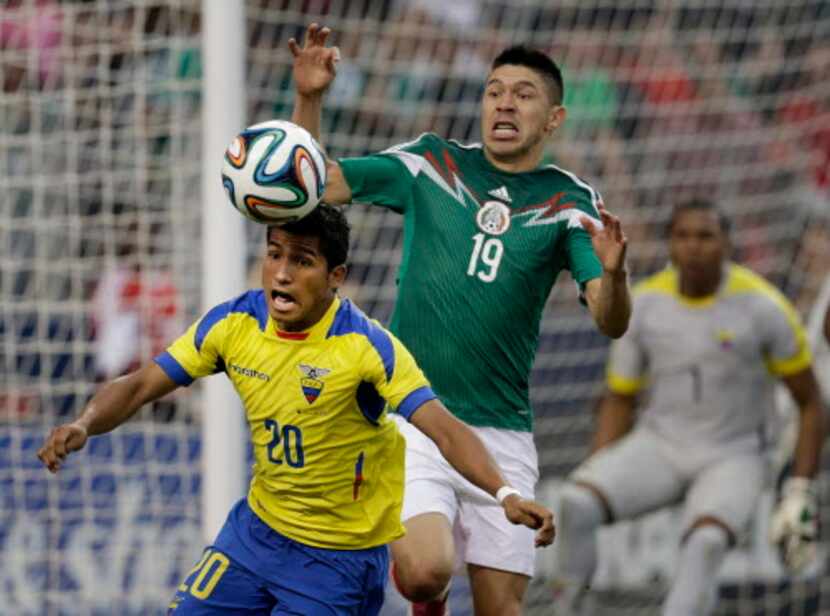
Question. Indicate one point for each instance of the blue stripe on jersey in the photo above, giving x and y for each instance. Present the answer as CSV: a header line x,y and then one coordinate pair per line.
x,y
350,320
414,401
370,402
251,303
173,369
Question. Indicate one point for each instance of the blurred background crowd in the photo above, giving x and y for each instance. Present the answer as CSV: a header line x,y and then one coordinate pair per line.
x,y
100,129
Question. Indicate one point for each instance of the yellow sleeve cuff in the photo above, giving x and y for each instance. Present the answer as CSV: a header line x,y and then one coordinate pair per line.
x,y
624,385
791,365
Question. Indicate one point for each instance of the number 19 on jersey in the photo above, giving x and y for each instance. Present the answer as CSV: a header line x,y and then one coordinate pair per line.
x,y
486,257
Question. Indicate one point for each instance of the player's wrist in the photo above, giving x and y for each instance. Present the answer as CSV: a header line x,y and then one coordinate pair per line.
x,y
310,96
505,491
617,275
81,424
798,485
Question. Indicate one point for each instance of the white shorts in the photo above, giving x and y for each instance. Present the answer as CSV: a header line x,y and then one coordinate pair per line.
x,y
483,535
643,472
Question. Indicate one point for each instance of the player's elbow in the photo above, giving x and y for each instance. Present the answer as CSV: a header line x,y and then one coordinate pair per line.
x,y
337,190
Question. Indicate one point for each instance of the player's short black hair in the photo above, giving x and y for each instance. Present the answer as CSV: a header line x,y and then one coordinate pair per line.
x,y
540,62
699,204
329,224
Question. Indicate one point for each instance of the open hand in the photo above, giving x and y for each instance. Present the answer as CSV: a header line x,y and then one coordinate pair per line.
x,y
609,241
315,65
61,441
533,515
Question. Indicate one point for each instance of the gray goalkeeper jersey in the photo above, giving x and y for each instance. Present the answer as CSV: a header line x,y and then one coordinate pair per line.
x,y
706,364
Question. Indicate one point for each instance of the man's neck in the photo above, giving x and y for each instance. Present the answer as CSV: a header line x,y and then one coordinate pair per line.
x,y
704,289
520,164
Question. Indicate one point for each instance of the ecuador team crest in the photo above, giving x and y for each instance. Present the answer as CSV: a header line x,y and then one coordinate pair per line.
x,y
311,381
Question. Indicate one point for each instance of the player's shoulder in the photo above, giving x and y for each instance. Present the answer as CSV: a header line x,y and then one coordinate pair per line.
x,y
562,180
662,283
427,144
351,323
742,280
422,144
758,292
350,319
249,308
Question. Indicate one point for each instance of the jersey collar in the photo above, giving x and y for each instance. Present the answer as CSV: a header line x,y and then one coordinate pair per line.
x,y
314,333
708,300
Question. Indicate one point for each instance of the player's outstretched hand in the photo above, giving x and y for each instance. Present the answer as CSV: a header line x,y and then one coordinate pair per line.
x,y
61,441
315,65
794,525
533,515
609,240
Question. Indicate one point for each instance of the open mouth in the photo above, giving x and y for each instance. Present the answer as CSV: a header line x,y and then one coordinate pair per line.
x,y
282,300
505,130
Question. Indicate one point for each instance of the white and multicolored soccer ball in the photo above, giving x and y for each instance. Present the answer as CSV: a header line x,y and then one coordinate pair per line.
x,y
274,172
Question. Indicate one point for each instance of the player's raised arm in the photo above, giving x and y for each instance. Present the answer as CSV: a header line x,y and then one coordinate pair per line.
x,y
468,455
608,296
315,67
111,406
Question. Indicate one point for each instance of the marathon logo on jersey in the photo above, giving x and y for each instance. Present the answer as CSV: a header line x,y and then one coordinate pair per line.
x,y
249,372
493,218
311,381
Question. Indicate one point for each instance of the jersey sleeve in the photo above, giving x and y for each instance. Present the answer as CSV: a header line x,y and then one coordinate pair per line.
x,y
580,258
395,375
785,346
198,352
627,366
385,178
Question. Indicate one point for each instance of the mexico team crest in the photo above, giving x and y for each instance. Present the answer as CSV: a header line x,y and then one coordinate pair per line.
x,y
311,381
493,218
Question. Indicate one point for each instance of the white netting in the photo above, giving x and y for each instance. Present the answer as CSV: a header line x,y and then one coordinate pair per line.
x,y
99,168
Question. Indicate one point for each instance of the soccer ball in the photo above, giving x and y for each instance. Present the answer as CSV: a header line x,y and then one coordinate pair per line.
x,y
274,172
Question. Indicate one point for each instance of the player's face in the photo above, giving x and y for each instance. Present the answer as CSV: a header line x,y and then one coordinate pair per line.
x,y
517,115
697,246
298,284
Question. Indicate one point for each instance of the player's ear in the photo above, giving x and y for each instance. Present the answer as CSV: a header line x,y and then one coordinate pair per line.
x,y
556,116
337,275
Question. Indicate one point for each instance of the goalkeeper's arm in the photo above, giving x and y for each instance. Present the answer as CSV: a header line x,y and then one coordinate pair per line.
x,y
111,406
805,391
794,527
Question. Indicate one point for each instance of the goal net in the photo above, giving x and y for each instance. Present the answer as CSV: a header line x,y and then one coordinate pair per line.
x,y
100,124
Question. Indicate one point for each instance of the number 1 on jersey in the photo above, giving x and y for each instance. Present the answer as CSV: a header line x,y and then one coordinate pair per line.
x,y
487,252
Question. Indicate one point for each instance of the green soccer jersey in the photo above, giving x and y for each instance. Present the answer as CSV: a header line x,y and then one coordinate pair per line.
x,y
482,249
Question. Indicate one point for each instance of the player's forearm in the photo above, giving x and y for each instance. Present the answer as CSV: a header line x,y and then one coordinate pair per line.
x,y
118,400
615,418
308,110
612,306
111,406
459,445
468,455
810,440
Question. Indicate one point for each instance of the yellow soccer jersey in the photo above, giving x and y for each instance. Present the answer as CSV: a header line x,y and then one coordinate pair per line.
x,y
329,463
